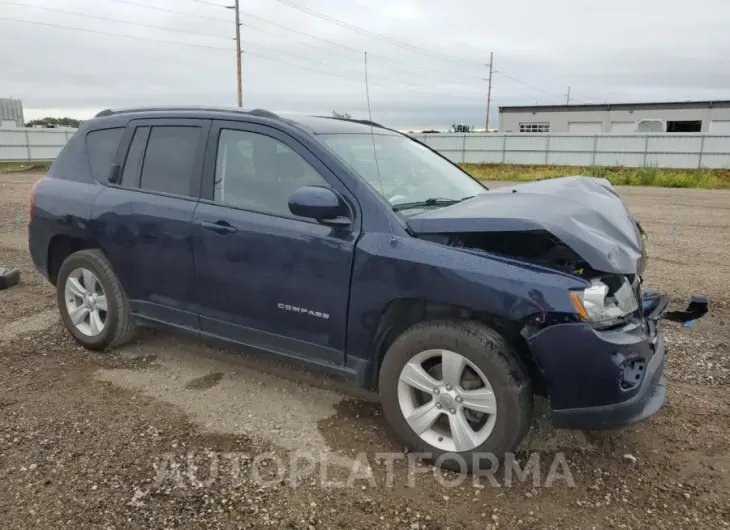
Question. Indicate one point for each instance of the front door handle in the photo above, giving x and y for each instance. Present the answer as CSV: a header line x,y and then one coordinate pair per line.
x,y
219,227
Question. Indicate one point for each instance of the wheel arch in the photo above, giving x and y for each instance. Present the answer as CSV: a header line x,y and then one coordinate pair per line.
x,y
400,314
60,247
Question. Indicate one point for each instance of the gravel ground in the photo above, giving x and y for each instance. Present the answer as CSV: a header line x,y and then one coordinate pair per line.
x,y
169,433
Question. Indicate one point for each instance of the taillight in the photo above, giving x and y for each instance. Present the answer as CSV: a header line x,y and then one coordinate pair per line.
x,y
32,201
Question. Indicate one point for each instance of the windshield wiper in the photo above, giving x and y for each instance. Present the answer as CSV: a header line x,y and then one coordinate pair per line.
x,y
428,202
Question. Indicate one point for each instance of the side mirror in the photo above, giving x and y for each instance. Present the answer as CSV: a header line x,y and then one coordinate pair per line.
x,y
322,204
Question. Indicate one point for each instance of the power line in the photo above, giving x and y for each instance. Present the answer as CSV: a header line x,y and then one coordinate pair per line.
x,y
348,48
523,84
114,34
204,2
411,73
360,52
414,88
97,17
339,44
165,10
304,33
253,53
134,37
299,65
10,2
287,28
379,36
531,87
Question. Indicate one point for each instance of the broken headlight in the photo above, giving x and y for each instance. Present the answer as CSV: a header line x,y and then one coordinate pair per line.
x,y
606,303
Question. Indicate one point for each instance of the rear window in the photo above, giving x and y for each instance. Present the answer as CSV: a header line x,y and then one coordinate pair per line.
x,y
102,147
168,160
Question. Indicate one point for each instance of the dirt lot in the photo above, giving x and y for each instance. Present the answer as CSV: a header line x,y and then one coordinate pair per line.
x,y
91,440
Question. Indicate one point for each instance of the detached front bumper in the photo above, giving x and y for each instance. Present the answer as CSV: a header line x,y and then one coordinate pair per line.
x,y
645,403
603,379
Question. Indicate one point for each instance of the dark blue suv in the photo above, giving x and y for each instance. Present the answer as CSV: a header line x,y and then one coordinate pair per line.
x,y
354,249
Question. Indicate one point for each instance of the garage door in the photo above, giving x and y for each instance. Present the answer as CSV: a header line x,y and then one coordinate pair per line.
x,y
622,126
720,127
585,127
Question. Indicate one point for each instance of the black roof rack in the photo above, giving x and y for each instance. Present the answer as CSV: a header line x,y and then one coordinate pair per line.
x,y
361,122
255,112
315,125
263,113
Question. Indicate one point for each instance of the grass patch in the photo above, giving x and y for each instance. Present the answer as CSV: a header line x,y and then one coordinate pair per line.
x,y
618,176
20,167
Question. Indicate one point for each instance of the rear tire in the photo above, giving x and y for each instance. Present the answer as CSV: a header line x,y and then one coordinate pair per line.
x,y
91,301
451,430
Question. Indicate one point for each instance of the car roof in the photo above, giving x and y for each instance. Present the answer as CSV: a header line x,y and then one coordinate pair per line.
x,y
310,124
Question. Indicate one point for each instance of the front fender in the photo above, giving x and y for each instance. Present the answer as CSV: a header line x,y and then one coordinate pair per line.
x,y
388,268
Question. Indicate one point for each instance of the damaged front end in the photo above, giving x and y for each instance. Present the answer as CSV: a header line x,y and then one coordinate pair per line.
x,y
538,246
570,222
603,365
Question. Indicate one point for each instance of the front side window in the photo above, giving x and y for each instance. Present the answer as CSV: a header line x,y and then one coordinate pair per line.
x,y
169,158
409,175
256,172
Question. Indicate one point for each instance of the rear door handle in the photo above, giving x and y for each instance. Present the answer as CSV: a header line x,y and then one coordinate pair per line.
x,y
219,227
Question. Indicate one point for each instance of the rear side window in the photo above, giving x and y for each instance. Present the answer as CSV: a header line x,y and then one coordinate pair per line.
x,y
168,160
102,148
135,155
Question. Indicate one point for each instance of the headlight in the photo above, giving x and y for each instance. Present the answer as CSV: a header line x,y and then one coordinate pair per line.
x,y
602,307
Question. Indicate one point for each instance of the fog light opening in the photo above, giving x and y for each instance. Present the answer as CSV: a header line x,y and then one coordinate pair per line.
x,y
632,373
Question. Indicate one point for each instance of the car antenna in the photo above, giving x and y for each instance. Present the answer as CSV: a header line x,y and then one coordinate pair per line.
x,y
375,151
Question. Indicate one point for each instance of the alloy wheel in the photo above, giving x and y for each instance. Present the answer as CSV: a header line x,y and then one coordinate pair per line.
x,y
86,302
447,400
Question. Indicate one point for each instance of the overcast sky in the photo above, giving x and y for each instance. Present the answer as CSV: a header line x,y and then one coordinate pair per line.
x,y
428,71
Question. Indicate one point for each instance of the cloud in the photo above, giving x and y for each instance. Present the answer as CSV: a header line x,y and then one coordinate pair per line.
x,y
614,51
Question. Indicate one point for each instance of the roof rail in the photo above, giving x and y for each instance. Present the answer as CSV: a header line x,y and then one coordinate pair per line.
x,y
263,113
362,122
256,112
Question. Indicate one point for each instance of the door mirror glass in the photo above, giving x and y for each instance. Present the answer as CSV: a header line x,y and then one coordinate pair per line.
x,y
315,202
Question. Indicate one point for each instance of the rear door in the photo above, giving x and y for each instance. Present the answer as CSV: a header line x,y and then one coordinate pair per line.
x,y
145,219
263,276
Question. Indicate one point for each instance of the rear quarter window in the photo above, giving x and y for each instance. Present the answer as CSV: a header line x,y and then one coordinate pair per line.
x,y
102,147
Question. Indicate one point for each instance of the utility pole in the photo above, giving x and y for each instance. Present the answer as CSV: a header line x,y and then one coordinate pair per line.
x,y
489,90
239,81
567,101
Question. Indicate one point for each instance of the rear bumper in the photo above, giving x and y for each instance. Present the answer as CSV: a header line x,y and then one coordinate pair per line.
x,y
645,403
39,240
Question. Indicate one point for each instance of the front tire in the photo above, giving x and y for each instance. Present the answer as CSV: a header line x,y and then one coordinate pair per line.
x,y
455,389
91,301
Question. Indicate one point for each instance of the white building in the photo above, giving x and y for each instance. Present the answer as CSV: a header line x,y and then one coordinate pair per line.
x,y
11,113
690,116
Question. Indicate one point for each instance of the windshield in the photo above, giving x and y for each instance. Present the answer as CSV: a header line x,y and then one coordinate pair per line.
x,y
411,176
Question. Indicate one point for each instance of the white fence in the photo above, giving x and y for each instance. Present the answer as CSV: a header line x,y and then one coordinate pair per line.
x,y
21,144
631,150
669,150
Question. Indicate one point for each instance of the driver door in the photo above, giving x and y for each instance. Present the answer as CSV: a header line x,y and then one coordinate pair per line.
x,y
263,276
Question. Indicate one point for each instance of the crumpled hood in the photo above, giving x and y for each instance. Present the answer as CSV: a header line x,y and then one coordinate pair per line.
x,y
585,213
